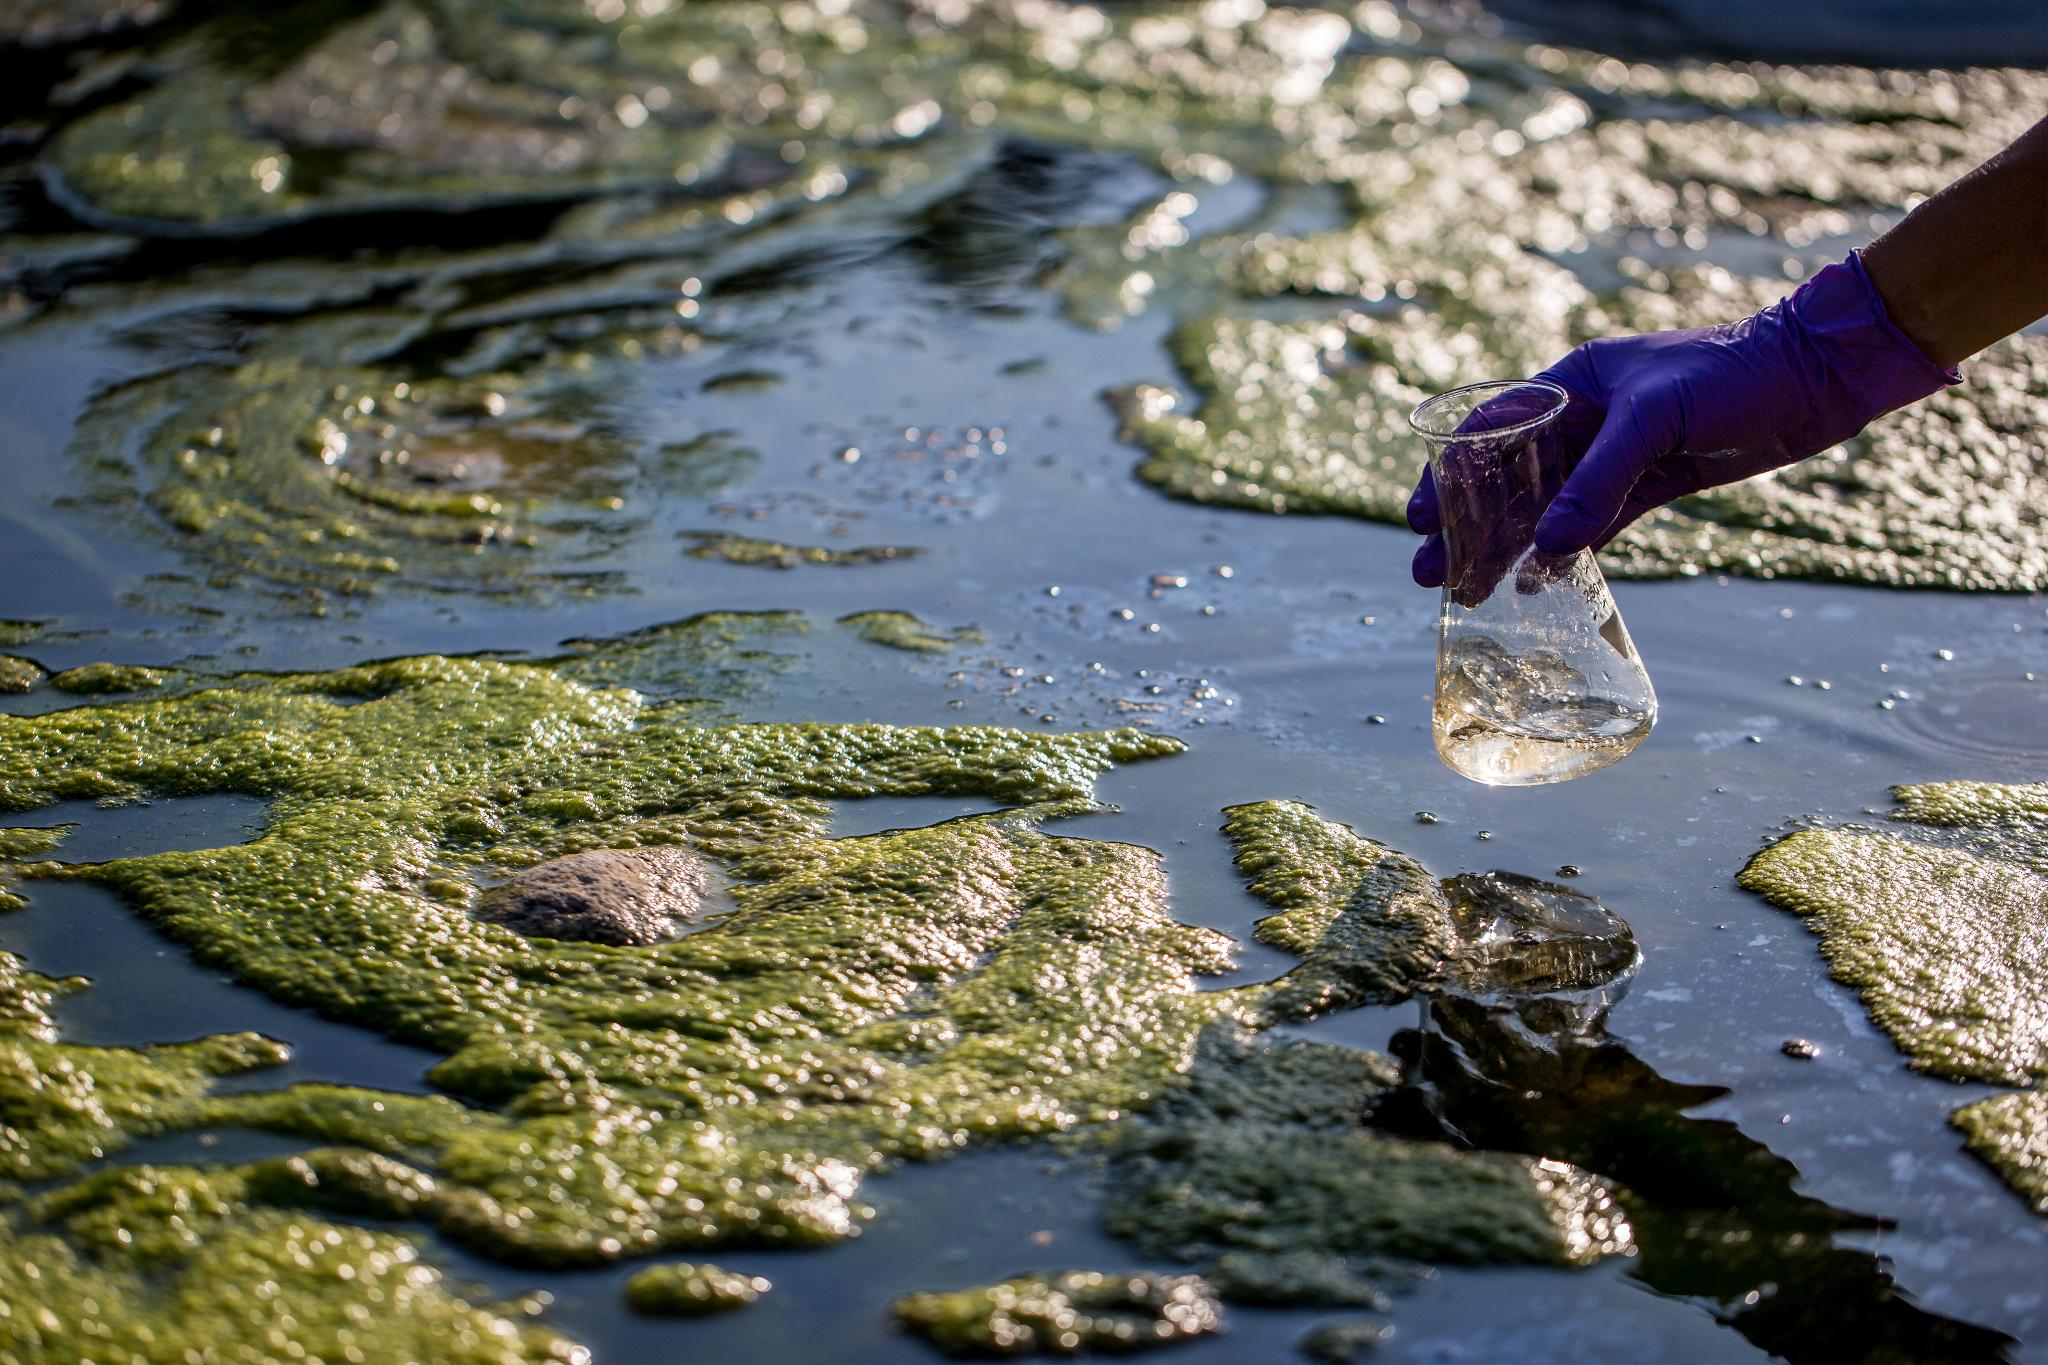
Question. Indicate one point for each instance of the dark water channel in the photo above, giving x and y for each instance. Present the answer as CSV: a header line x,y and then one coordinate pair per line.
x,y
1794,1209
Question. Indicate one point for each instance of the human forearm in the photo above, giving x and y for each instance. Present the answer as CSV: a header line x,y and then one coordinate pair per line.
x,y
1970,266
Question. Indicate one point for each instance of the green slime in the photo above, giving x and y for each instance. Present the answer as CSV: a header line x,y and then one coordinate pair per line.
x,y
1943,931
1070,1313
685,1290
902,630
1426,186
898,995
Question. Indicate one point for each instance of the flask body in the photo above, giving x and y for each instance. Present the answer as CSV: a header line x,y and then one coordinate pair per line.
x,y
1537,679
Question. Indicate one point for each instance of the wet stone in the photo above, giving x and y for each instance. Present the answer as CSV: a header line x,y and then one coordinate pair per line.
x,y
1518,935
609,895
1801,1049
1070,1313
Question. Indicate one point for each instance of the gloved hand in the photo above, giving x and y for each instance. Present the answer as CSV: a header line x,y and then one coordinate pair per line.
x,y
1656,417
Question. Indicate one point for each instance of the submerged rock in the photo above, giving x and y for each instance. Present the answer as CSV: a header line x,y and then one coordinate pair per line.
x,y
1071,1313
1518,935
607,895
685,1290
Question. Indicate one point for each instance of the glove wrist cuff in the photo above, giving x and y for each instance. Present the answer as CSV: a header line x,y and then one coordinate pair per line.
x,y
1871,361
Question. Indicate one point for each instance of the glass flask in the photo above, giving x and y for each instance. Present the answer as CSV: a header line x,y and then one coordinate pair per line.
x,y
1536,678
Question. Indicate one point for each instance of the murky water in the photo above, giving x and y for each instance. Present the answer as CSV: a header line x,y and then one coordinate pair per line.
x,y
919,333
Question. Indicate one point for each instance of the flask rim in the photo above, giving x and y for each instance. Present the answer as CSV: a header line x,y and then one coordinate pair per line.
x,y
1420,417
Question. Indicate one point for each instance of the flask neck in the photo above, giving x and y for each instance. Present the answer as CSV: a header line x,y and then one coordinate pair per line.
x,y
1491,491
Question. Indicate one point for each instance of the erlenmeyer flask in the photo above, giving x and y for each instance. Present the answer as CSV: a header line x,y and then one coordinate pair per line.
x,y
1536,677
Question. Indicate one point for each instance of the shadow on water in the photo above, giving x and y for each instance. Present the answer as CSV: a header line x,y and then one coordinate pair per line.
x,y
1719,1219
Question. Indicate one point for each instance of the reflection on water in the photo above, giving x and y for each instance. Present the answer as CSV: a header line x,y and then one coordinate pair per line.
x,y
1719,1217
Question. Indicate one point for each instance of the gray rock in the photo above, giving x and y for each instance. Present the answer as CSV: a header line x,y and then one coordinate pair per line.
x,y
609,895
1521,936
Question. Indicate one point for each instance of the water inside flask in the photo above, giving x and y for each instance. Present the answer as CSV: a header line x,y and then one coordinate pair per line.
x,y
1537,680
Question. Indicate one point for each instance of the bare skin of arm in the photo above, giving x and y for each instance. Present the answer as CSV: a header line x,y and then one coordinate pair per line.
x,y
1970,266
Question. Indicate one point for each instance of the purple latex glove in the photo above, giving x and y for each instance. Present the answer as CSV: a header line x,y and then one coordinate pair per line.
x,y
1655,417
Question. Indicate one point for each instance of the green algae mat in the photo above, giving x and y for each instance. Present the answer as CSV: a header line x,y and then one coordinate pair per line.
x,y
496,306
862,1001
1942,928
1479,207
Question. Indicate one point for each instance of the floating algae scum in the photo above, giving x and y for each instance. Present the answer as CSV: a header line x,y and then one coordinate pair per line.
x,y
1027,817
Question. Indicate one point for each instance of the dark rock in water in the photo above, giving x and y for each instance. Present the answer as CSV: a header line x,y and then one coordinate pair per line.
x,y
1805,1049
1343,1342
1528,937
609,895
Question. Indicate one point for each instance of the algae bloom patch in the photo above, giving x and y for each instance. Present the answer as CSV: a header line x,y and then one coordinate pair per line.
x,y
440,421
1071,1313
898,995
892,996
685,1290
1942,927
